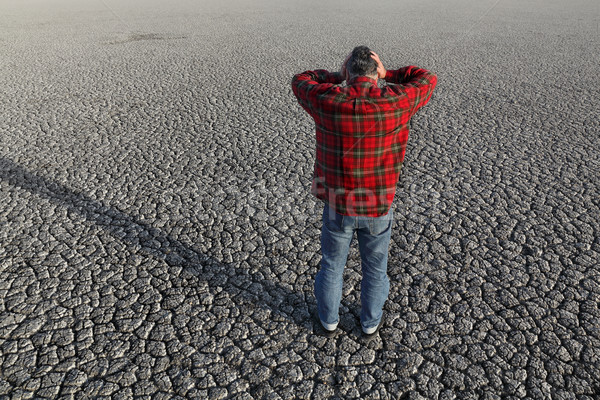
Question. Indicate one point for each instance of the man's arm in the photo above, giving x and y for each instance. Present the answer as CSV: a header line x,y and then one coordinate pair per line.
x,y
416,83
307,85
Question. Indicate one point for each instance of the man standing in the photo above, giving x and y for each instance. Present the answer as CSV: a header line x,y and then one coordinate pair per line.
x,y
361,133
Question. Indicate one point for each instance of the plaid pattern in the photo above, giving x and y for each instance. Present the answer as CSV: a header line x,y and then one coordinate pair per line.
x,y
362,132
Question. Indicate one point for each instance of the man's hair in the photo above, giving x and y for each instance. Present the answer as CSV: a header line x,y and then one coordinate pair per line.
x,y
361,63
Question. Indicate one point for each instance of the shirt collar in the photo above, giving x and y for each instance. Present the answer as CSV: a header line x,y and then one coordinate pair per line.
x,y
361,79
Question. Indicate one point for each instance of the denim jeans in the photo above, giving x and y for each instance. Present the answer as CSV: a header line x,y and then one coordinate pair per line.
x,y
374,235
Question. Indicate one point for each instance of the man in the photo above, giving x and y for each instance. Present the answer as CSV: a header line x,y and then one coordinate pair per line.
x,y
361,133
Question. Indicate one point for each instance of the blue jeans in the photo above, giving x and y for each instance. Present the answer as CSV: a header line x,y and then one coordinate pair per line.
x,y
374,235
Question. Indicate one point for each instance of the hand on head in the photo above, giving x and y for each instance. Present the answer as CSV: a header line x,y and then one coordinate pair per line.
x,y
381,71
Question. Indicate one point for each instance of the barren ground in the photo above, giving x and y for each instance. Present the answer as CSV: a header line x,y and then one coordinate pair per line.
x,y
158,238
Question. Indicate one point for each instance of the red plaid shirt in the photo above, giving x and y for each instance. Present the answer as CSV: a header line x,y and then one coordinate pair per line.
x,y
362,132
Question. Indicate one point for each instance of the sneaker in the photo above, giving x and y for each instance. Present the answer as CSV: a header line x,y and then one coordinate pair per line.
x,y
371,332
322,329
328,333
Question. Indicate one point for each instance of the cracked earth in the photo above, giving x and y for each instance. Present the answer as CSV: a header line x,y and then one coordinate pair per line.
x,y
158,238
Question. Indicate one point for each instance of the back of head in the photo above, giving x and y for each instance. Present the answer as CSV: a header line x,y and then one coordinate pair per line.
x,y
361,63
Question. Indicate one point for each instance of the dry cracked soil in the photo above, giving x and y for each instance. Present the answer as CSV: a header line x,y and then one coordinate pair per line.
x,y
157,235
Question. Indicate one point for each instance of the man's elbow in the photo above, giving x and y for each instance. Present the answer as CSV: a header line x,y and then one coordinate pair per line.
x,y
433,80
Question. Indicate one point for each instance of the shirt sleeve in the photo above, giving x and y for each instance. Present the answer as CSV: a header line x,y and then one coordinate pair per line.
x,y
416,83
309,84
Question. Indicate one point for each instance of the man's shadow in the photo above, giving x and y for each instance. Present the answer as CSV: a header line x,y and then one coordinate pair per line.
x,y
138,236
